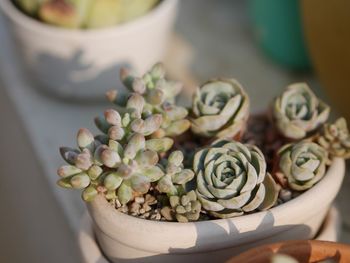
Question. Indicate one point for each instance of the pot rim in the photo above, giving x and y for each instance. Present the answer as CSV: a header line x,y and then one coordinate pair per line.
x,y
336,169
31,24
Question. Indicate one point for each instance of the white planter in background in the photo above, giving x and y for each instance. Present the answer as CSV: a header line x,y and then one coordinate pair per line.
x,y
83,64
123,237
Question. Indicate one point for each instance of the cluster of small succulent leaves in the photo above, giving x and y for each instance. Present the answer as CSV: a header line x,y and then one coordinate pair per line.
x,y
335,138
184,208
85,13
176,177
135,158
159,96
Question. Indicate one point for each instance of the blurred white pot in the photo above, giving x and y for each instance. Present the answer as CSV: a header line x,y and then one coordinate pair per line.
x,y
124,238
83,64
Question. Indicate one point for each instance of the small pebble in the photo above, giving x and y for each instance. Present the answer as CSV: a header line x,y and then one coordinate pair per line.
x,y
285,195
146,214
139,200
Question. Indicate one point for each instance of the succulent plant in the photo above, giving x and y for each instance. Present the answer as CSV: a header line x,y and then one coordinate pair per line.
x,y
303,164
122,172
159,96
298,111
220,109
81,172
85,13
232,179
173,182
29,6
132,9
131,165
335,138
121,127
182,208
132,169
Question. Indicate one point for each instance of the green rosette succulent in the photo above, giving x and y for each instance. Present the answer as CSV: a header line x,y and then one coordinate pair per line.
x,y
298,111
184,208
303,164
85,13
176,177
159,98
220,109
335,138
232,179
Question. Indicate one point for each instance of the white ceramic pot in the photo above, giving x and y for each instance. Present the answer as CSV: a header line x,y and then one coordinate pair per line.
x,y
91,252
83,64
126,238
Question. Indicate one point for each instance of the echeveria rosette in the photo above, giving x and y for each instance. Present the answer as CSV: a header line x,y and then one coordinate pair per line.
x,y
303,164
335,138
232,179
220,109
298,111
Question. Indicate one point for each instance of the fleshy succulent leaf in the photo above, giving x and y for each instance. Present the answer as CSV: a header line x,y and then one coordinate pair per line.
x,y
159,145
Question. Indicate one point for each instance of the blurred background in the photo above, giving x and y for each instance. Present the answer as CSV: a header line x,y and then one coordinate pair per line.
x,y
52,82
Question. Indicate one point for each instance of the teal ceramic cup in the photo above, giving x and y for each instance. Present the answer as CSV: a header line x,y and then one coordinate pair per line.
x,y
278,28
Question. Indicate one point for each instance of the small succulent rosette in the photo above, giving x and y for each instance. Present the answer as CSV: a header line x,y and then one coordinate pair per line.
x,y
335,138
303,164
176,177
232,179
298,111
183,208
220,109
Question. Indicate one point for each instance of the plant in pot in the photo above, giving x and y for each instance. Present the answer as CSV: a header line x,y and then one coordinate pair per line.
x,y
70,47
164,182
